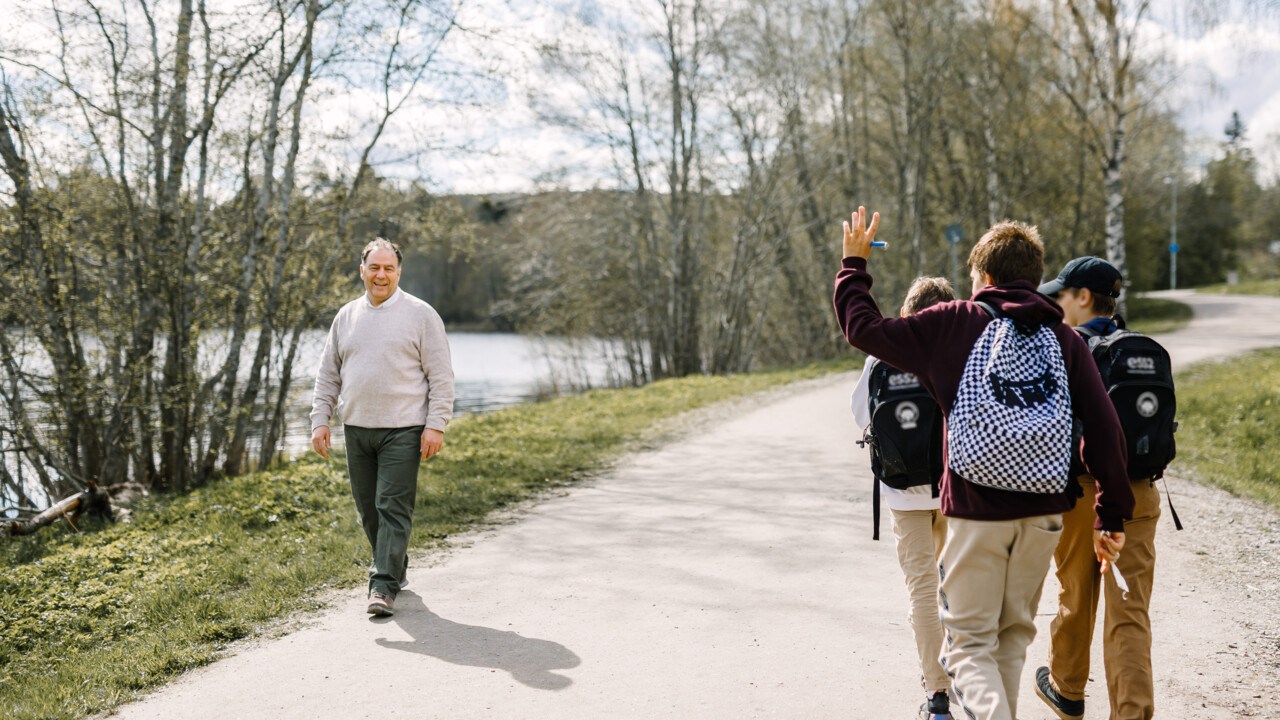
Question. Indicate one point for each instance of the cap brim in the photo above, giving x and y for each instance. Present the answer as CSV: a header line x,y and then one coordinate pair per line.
x,y
1051,288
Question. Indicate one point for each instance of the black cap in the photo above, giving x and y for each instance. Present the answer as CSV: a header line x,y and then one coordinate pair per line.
x,y
1097,275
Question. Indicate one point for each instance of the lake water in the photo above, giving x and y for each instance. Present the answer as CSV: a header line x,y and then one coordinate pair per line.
x,y
491,371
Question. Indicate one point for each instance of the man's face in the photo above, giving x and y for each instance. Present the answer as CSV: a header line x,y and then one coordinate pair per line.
x,y
381,275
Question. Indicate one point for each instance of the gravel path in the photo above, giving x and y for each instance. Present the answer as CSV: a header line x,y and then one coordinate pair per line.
x,y
730,573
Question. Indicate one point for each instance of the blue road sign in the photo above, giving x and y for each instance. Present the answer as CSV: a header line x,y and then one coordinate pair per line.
x,y
955,234
1173,248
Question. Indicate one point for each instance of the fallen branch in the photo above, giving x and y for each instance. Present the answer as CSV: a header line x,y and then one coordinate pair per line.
x,y
67,507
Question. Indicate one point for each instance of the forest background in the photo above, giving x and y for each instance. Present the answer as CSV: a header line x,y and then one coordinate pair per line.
x,y
187,184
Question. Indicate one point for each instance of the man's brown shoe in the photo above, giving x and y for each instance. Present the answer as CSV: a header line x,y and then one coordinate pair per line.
x,y
381,604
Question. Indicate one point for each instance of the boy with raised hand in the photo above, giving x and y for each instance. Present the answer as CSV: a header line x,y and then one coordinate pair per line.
x,y
999,541
919,526
1086,290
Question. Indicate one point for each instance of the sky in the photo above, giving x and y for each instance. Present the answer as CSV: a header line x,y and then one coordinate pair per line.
x,y
495,142
1223,58
1230,65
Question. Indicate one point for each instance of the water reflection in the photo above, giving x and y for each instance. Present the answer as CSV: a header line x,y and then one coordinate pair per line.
x,y
492,371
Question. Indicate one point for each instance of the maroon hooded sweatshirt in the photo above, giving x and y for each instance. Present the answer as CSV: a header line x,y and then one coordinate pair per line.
x,y
934,344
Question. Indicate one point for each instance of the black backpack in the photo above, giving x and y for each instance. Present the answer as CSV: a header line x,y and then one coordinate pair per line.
x,y
1139,379
905,434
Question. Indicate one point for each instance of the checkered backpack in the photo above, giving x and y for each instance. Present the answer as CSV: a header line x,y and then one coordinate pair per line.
x,y
1010,426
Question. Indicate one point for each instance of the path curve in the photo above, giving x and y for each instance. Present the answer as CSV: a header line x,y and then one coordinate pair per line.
x,y
731,574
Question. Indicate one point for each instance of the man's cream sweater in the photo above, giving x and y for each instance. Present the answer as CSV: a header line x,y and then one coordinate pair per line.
x,y
385,366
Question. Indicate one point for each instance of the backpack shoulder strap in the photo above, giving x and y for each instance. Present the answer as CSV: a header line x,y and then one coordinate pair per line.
x,y
875,509
1091,337
995,314
1096,341
876,372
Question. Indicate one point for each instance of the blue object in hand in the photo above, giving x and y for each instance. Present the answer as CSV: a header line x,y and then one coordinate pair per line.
x,y
878,243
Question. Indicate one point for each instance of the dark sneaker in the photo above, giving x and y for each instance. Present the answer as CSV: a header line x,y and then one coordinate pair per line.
x,y
381,604
1062,707
937,707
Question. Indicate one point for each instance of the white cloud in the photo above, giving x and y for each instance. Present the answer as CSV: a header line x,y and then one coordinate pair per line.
x,y
1229,67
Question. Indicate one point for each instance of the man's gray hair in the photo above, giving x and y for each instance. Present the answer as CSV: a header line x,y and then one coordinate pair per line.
x,y
381,244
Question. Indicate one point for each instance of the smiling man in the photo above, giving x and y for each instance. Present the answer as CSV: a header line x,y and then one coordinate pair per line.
x,y
386,369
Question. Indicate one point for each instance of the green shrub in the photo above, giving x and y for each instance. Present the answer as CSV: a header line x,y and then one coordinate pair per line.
x,y
1249,287
1157,315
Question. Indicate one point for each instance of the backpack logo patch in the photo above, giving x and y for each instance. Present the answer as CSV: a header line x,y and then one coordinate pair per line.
x,y
903,381
1148,404
908,414
1139,365
1024,394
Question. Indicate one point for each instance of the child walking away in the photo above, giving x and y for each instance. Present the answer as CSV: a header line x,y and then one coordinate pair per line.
x,y
903,426
1137,374
1008,375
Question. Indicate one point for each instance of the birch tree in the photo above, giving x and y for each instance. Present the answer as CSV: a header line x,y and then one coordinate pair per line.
x,y
1099,79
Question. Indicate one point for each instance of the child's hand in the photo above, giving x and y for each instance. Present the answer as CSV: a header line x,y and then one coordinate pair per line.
x,y
858,235
1106,545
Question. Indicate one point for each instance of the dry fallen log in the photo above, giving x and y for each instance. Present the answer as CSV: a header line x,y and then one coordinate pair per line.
x,y
113,502
62,508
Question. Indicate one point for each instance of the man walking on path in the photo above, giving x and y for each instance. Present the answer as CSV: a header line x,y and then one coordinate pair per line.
x,y
1086,290
386,369
999,541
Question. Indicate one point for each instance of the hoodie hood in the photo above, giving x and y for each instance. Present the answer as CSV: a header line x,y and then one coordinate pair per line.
x,y
1020,301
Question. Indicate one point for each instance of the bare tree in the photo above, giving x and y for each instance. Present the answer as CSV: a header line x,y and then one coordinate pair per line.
x,y
1099,81
177,270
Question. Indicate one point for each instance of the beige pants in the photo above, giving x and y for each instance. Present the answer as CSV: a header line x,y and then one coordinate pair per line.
x,y
1126,640
992,573
920,535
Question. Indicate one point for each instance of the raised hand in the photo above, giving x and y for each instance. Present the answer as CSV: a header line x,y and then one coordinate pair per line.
x,y
858,234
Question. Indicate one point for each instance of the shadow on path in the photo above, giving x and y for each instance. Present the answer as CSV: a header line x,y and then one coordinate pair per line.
x,y
529,660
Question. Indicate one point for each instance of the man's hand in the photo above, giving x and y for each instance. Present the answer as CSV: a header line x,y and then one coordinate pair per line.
x,y
432,442
320,441
1106,545
858,235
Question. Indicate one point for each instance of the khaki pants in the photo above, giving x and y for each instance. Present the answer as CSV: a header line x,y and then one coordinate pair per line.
x,y
920,535
992,573
1126,640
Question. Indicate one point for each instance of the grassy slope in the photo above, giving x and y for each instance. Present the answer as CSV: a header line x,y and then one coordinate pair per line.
x,y
1157,315
1251,287
89,620
1229,420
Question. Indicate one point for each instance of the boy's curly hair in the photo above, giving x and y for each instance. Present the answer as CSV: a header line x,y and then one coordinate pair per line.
x,y
1009,251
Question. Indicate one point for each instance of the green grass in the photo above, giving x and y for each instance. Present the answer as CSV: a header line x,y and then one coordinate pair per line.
x,y
1249,287
90,620
1229,419
1157,315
